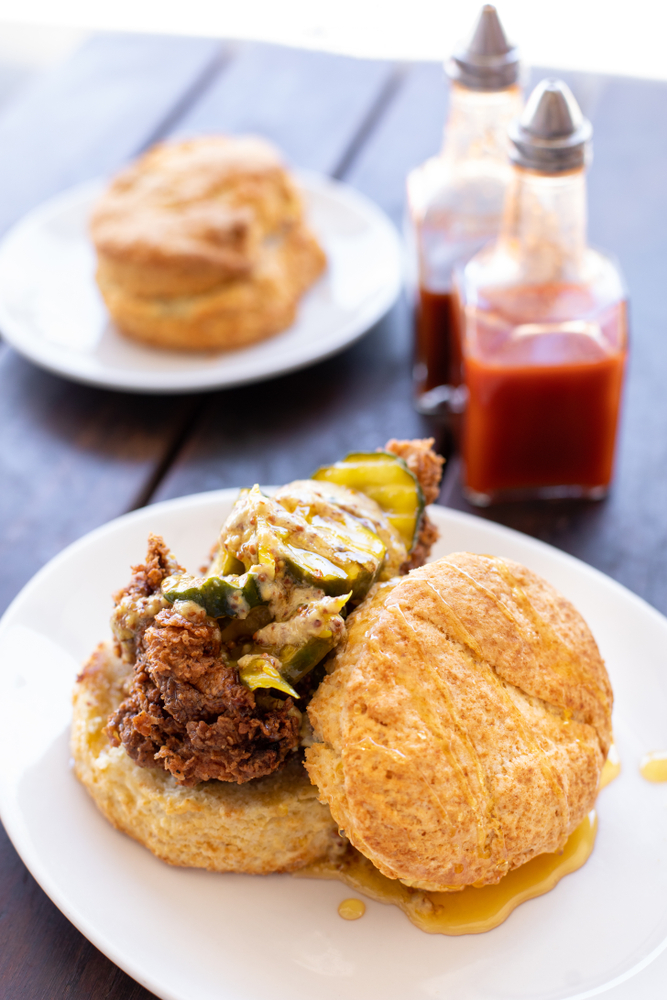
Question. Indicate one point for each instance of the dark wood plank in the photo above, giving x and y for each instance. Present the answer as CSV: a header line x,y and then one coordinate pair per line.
x,y
309,103
92,113
625,535
71,458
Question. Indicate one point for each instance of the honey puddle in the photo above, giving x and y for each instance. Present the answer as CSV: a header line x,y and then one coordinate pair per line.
x,y
470,911
653,766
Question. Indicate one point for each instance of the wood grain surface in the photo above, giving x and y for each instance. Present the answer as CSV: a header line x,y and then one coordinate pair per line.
x,y
73,457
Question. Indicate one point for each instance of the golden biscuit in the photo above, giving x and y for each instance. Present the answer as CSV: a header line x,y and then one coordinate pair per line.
x,y
196,234
233,314
464,724
272,824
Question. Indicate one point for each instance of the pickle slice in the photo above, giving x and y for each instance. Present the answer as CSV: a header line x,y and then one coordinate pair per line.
x,y
351,567
225,564
299,643
353,560
220,597
385,478
258,671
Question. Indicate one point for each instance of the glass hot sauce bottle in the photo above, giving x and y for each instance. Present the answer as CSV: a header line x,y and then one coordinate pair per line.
x,y
544,325
455,200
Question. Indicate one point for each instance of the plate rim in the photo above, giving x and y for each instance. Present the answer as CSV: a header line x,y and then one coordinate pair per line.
x,y
54,359
11,816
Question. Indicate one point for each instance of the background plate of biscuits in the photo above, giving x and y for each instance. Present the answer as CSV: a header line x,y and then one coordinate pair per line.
x,y
52,312
189,934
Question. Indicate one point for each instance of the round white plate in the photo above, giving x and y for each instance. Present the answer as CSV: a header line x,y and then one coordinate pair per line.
x,y
194,935
52,312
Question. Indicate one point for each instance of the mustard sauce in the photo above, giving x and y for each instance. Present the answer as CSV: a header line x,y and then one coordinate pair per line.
x,y
472,910
653,766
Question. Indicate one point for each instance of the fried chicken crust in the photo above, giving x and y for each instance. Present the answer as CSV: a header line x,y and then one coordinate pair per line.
x,y
186,710
422,461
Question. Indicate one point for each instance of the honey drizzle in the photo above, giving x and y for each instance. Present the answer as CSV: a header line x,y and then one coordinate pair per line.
x,y
653,766
481,806
351,909
472,910
460,633
571,667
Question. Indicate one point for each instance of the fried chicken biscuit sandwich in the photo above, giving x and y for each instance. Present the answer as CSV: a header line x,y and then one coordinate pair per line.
x,y
189,727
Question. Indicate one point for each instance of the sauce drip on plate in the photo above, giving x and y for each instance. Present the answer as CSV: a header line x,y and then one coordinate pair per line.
x,y
471,910
351,909
653,766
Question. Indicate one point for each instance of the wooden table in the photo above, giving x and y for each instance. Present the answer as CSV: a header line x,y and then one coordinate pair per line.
x,y
73,457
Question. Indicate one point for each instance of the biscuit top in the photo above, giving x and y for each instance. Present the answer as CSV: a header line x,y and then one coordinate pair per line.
x,y
209,201
464,725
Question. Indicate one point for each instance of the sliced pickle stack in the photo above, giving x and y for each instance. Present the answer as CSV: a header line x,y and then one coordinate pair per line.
x,y
336,556
302,565
385,478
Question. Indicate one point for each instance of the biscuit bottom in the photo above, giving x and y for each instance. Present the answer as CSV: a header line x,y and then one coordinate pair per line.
x,y
231,315
273,824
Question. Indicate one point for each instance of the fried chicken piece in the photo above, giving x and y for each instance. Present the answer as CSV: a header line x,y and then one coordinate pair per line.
x,y
187,712
426,465
147,577
213,826
426,539
137,604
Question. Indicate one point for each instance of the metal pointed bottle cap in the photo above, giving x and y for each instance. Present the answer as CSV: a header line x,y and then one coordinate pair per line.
x,y
552,135
488,62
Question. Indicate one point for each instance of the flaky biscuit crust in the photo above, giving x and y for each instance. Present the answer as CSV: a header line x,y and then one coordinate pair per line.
x,y
272,824
232,315
204,204
464,725
201,245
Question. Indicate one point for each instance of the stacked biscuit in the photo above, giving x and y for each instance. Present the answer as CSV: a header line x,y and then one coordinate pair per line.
x,y
202,245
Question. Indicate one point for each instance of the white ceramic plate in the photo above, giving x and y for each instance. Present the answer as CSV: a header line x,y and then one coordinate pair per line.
x,y
193,935
52,312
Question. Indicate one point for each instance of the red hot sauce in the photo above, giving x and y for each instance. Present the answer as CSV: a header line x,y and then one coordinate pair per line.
x,y
543,396
438,353
544,324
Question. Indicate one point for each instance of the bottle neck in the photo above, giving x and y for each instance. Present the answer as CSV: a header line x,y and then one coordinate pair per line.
x,y
544,225
476,127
